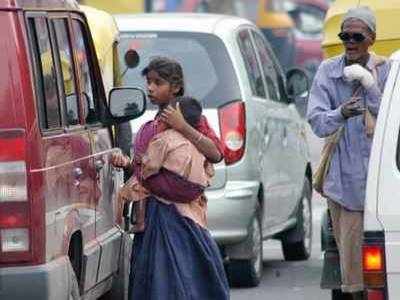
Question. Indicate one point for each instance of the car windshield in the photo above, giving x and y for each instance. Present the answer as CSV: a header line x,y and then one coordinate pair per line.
x,y
208,70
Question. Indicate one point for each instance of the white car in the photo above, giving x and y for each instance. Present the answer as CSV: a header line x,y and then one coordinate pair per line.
x,y
381,249
262,189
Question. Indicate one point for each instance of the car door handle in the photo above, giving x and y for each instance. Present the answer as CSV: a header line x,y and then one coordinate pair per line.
x,y
284,134
98,164
77,172
266,130
284,137
266,135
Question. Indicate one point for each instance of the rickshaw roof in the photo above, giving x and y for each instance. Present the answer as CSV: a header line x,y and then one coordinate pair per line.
x,y
39,4
387,13
103,28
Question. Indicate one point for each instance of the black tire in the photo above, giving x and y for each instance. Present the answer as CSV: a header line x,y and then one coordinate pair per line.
x,y
248,272
119,289
74,293
297,242
338,295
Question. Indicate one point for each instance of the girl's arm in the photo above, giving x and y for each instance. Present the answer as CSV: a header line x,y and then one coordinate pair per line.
x,y
120,160
173,117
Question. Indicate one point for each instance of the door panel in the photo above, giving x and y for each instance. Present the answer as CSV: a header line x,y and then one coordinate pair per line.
x,y
68,199
64,143
103,187
280,175
265,119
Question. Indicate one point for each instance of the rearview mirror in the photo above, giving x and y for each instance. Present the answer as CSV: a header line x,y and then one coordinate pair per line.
x,y
297,88
132,59
127,103
297,83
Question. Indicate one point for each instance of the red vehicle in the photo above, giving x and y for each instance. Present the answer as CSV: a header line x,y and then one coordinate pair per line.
x,y
59,238
308,16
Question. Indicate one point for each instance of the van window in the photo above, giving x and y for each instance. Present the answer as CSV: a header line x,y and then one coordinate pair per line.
x,y
66,65
270,75
207,67
252,67
85,75
49,106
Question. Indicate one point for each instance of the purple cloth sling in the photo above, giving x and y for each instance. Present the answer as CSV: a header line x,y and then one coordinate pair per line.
x,y
165,184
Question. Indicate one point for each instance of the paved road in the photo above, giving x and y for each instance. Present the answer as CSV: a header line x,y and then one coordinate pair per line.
x,y
291,280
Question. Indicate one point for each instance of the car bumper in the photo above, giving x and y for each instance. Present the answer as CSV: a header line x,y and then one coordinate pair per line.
x,y
230,211
48,281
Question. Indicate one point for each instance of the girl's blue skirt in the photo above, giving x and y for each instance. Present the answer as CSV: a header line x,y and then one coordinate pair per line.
x,y
175,259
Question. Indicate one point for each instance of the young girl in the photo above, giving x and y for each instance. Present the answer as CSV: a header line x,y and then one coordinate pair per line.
x,y
174,258
172,154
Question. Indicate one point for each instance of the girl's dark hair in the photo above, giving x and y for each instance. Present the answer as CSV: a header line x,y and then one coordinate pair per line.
x,y
169,70
191,110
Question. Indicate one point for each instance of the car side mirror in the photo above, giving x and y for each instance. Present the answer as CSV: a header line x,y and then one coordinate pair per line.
x,y
126,103
297,83
298,89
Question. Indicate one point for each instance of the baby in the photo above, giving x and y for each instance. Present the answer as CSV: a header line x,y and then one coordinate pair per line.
x,y
171,151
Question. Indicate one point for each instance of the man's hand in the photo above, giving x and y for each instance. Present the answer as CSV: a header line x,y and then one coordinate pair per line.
x,y
174,118
357,72
120,160
351,108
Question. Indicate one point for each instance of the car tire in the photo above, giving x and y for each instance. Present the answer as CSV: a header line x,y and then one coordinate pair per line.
x,y
338,295
299,248
248,272
74,293
120,284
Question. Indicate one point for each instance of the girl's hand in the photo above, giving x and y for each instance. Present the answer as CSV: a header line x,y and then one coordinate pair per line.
x,y
119,160
174,118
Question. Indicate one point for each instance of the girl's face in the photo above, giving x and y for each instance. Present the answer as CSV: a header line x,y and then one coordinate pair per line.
x,y
160,91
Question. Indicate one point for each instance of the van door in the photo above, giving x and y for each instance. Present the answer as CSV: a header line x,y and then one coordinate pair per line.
x,y
264,114
64,142
284,201
382,206
91,93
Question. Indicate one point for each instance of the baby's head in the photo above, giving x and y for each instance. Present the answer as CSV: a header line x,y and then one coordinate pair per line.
x,y
191,109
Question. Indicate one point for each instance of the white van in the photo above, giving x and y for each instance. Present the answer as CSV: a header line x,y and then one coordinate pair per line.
x,y
381,249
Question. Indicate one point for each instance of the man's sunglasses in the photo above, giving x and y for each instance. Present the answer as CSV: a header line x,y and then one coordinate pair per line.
x,y
356,37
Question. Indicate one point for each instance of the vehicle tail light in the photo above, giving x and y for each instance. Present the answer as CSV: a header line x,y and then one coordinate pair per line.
x,y
14,205
232,123
15,240
375,295
374,269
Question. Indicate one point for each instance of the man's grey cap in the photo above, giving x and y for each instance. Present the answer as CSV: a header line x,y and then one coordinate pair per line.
x,y
363,13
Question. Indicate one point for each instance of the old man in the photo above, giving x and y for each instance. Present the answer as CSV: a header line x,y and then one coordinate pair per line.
x,y
345,89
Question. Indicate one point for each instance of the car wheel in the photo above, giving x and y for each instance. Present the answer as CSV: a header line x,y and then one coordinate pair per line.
x,y
338,295
299,248
74,287
247,272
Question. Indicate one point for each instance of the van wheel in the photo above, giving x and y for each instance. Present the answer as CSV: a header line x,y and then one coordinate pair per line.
x,y
338,295
297,242
73,282
247,272
119,289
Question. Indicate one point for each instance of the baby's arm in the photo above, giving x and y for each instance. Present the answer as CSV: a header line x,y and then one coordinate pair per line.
x,y
154,157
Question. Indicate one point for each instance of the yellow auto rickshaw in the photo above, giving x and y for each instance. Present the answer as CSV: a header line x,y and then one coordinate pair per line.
x,y
105,36
117,6
278,28
388,31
